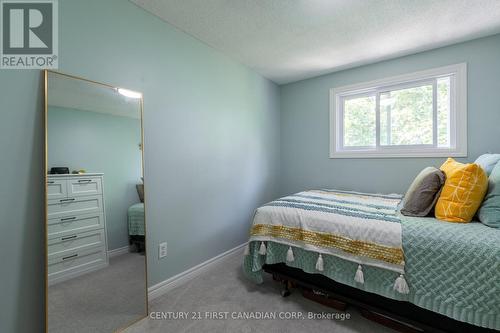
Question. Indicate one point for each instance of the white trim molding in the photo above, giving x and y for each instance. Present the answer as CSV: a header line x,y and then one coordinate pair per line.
x,y
118,252
175,281
457,118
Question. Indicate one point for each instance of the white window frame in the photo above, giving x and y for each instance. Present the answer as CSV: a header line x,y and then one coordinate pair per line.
x,y
458,114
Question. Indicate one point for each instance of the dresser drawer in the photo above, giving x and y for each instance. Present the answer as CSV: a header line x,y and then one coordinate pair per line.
x,y
56,188
70,207
83,186
68,264
64,226
76,241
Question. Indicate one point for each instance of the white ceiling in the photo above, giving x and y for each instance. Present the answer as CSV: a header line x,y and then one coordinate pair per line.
x,y
77,94
289,40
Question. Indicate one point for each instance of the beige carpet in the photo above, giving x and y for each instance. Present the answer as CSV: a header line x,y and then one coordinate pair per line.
x,y
225,289
101,301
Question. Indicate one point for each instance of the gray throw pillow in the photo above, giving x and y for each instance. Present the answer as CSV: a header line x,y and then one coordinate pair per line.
x,y
423,192
140,191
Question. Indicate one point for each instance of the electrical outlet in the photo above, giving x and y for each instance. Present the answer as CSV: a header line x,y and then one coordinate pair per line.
x,y
162,250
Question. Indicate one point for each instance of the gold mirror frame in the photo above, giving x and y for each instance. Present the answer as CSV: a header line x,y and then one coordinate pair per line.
x,y
45,118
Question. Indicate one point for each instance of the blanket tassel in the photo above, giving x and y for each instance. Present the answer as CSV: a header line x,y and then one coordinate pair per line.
x,y
359,277
401,286
289,255
262,249
319,263
247,250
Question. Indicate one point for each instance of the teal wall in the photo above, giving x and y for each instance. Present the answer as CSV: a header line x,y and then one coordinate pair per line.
x,y
104,143
305,121
211,145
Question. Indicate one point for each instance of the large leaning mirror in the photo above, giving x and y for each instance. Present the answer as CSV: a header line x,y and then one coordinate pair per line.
x,y
95,221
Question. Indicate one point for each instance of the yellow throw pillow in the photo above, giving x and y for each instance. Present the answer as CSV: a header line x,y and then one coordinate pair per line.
x,y
462,193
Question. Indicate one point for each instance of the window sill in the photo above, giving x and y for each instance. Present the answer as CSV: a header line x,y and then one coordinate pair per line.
x,y
407,154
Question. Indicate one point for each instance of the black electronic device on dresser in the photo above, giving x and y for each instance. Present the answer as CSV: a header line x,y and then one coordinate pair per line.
x,y
59,171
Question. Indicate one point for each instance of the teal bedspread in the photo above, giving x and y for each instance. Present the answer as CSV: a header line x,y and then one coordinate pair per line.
x,y
454,269
451,268
136,220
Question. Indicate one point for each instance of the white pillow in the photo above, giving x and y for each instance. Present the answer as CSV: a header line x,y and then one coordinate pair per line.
x,y
488,162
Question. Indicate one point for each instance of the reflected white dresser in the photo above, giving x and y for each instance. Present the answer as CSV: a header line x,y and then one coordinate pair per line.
x,y
76,225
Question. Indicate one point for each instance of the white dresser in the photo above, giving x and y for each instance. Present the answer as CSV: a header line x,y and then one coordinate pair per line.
x,y
76,225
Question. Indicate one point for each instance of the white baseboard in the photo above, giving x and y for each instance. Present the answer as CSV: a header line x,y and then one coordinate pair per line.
x,y
119,251
165,286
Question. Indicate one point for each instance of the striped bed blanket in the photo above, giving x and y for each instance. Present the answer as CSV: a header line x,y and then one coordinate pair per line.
x,y
359,227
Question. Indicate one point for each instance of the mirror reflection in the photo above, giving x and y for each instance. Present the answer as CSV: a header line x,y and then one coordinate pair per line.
x,y
95,206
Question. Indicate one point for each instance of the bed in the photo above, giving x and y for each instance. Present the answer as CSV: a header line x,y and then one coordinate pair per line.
x,y
340,240
136,225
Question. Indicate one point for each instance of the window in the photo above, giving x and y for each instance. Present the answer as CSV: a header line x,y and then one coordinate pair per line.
x,y
422,114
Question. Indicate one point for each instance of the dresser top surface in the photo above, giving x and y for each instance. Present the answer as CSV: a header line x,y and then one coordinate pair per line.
x,y
65,175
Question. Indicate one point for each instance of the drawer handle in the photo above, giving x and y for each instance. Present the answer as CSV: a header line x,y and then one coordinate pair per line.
x,y
68,218
84,180
50,182
69,237
71,256
65,200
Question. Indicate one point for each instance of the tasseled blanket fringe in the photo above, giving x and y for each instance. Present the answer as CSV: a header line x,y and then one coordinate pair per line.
x,y
400,285
262,249
319,263
289,255
359,276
